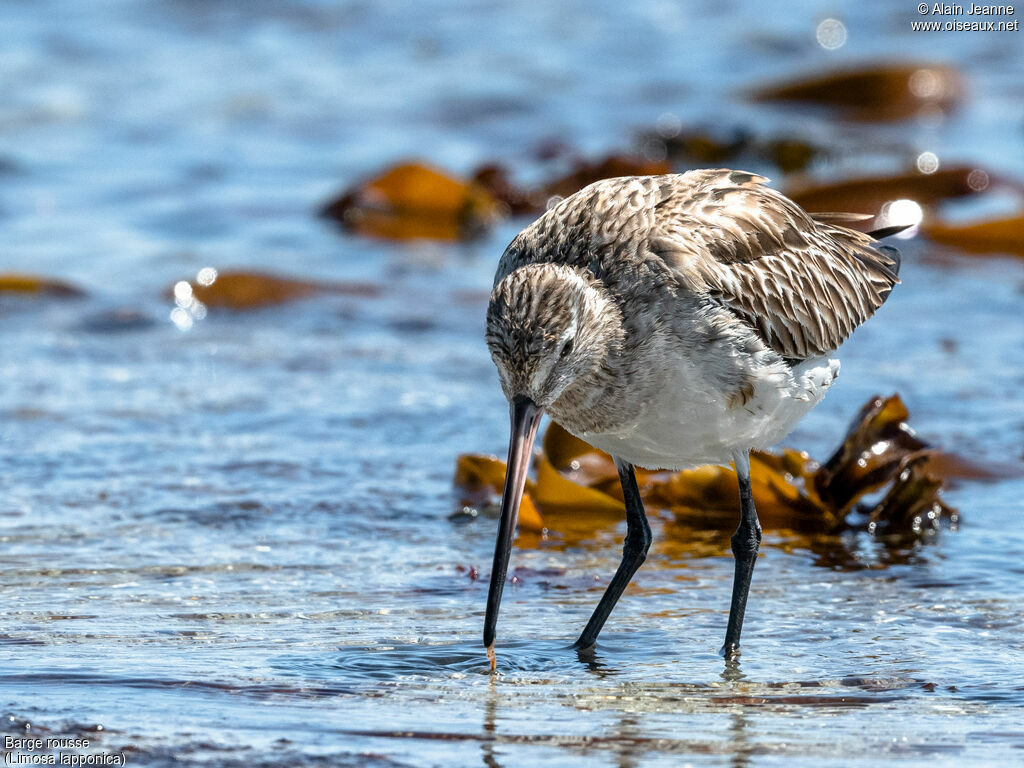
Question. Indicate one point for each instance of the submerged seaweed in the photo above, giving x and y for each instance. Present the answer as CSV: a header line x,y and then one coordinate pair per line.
x,y
880,454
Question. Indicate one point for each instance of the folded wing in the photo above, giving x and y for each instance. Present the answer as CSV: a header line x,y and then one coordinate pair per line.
x,y
803,282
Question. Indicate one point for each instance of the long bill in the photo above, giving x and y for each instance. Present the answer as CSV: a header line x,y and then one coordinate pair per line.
x,y
525,416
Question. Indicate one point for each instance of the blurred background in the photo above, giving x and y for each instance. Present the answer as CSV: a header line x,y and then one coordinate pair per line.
x,y
246,253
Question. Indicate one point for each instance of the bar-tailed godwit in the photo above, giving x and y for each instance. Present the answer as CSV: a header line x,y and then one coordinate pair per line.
x,y
674,321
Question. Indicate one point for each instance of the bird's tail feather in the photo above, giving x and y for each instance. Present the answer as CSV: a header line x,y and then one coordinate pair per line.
x,y
884,232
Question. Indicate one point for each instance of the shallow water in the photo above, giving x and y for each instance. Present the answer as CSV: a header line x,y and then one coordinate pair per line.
x,y
232,544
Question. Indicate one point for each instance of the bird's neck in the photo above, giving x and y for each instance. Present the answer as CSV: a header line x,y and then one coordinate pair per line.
x,y
615,393
594,402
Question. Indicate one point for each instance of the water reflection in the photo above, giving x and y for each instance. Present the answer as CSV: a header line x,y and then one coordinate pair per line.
x,y
490,726
733,673
739,741
628,734
593,663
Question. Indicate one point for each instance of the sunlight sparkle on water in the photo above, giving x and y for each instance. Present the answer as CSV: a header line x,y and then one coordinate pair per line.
x,y
206,276
182,293
903,212
927,162
181,318
977,180
927,84
831,34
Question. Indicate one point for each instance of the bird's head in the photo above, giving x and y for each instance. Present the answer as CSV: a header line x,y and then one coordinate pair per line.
x,y
548,327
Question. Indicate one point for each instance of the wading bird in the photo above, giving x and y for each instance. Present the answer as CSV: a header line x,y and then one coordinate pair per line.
x,y
673,321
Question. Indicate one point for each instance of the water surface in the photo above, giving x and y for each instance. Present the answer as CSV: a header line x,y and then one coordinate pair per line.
x,y
232,545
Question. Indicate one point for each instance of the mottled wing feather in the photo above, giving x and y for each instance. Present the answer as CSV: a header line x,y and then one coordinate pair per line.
x,y
834,217
603,221
803,284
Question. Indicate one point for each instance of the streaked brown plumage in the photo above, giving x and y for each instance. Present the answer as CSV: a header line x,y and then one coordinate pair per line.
x,y
803,282
671,321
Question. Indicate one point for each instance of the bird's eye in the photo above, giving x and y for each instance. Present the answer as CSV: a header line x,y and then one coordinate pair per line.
x,y
566,349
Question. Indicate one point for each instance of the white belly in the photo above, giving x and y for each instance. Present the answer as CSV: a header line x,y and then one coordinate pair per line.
x,y
686,425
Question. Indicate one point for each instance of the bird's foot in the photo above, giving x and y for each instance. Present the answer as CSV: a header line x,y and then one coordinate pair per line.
x,y
584,651
730,651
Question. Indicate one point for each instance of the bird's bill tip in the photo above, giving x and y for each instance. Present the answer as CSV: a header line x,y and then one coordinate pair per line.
x,y
525,417
492,657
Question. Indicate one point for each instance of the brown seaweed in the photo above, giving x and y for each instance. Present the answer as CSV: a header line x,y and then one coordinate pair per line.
x,y
34,285
479,479
873,91
587,172
875,444
879,453
995,236
414,201
707,148
252,290
518,200
868,194
912,505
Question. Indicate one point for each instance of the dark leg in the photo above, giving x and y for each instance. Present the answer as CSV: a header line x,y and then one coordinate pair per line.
x,y
634,552
745,543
